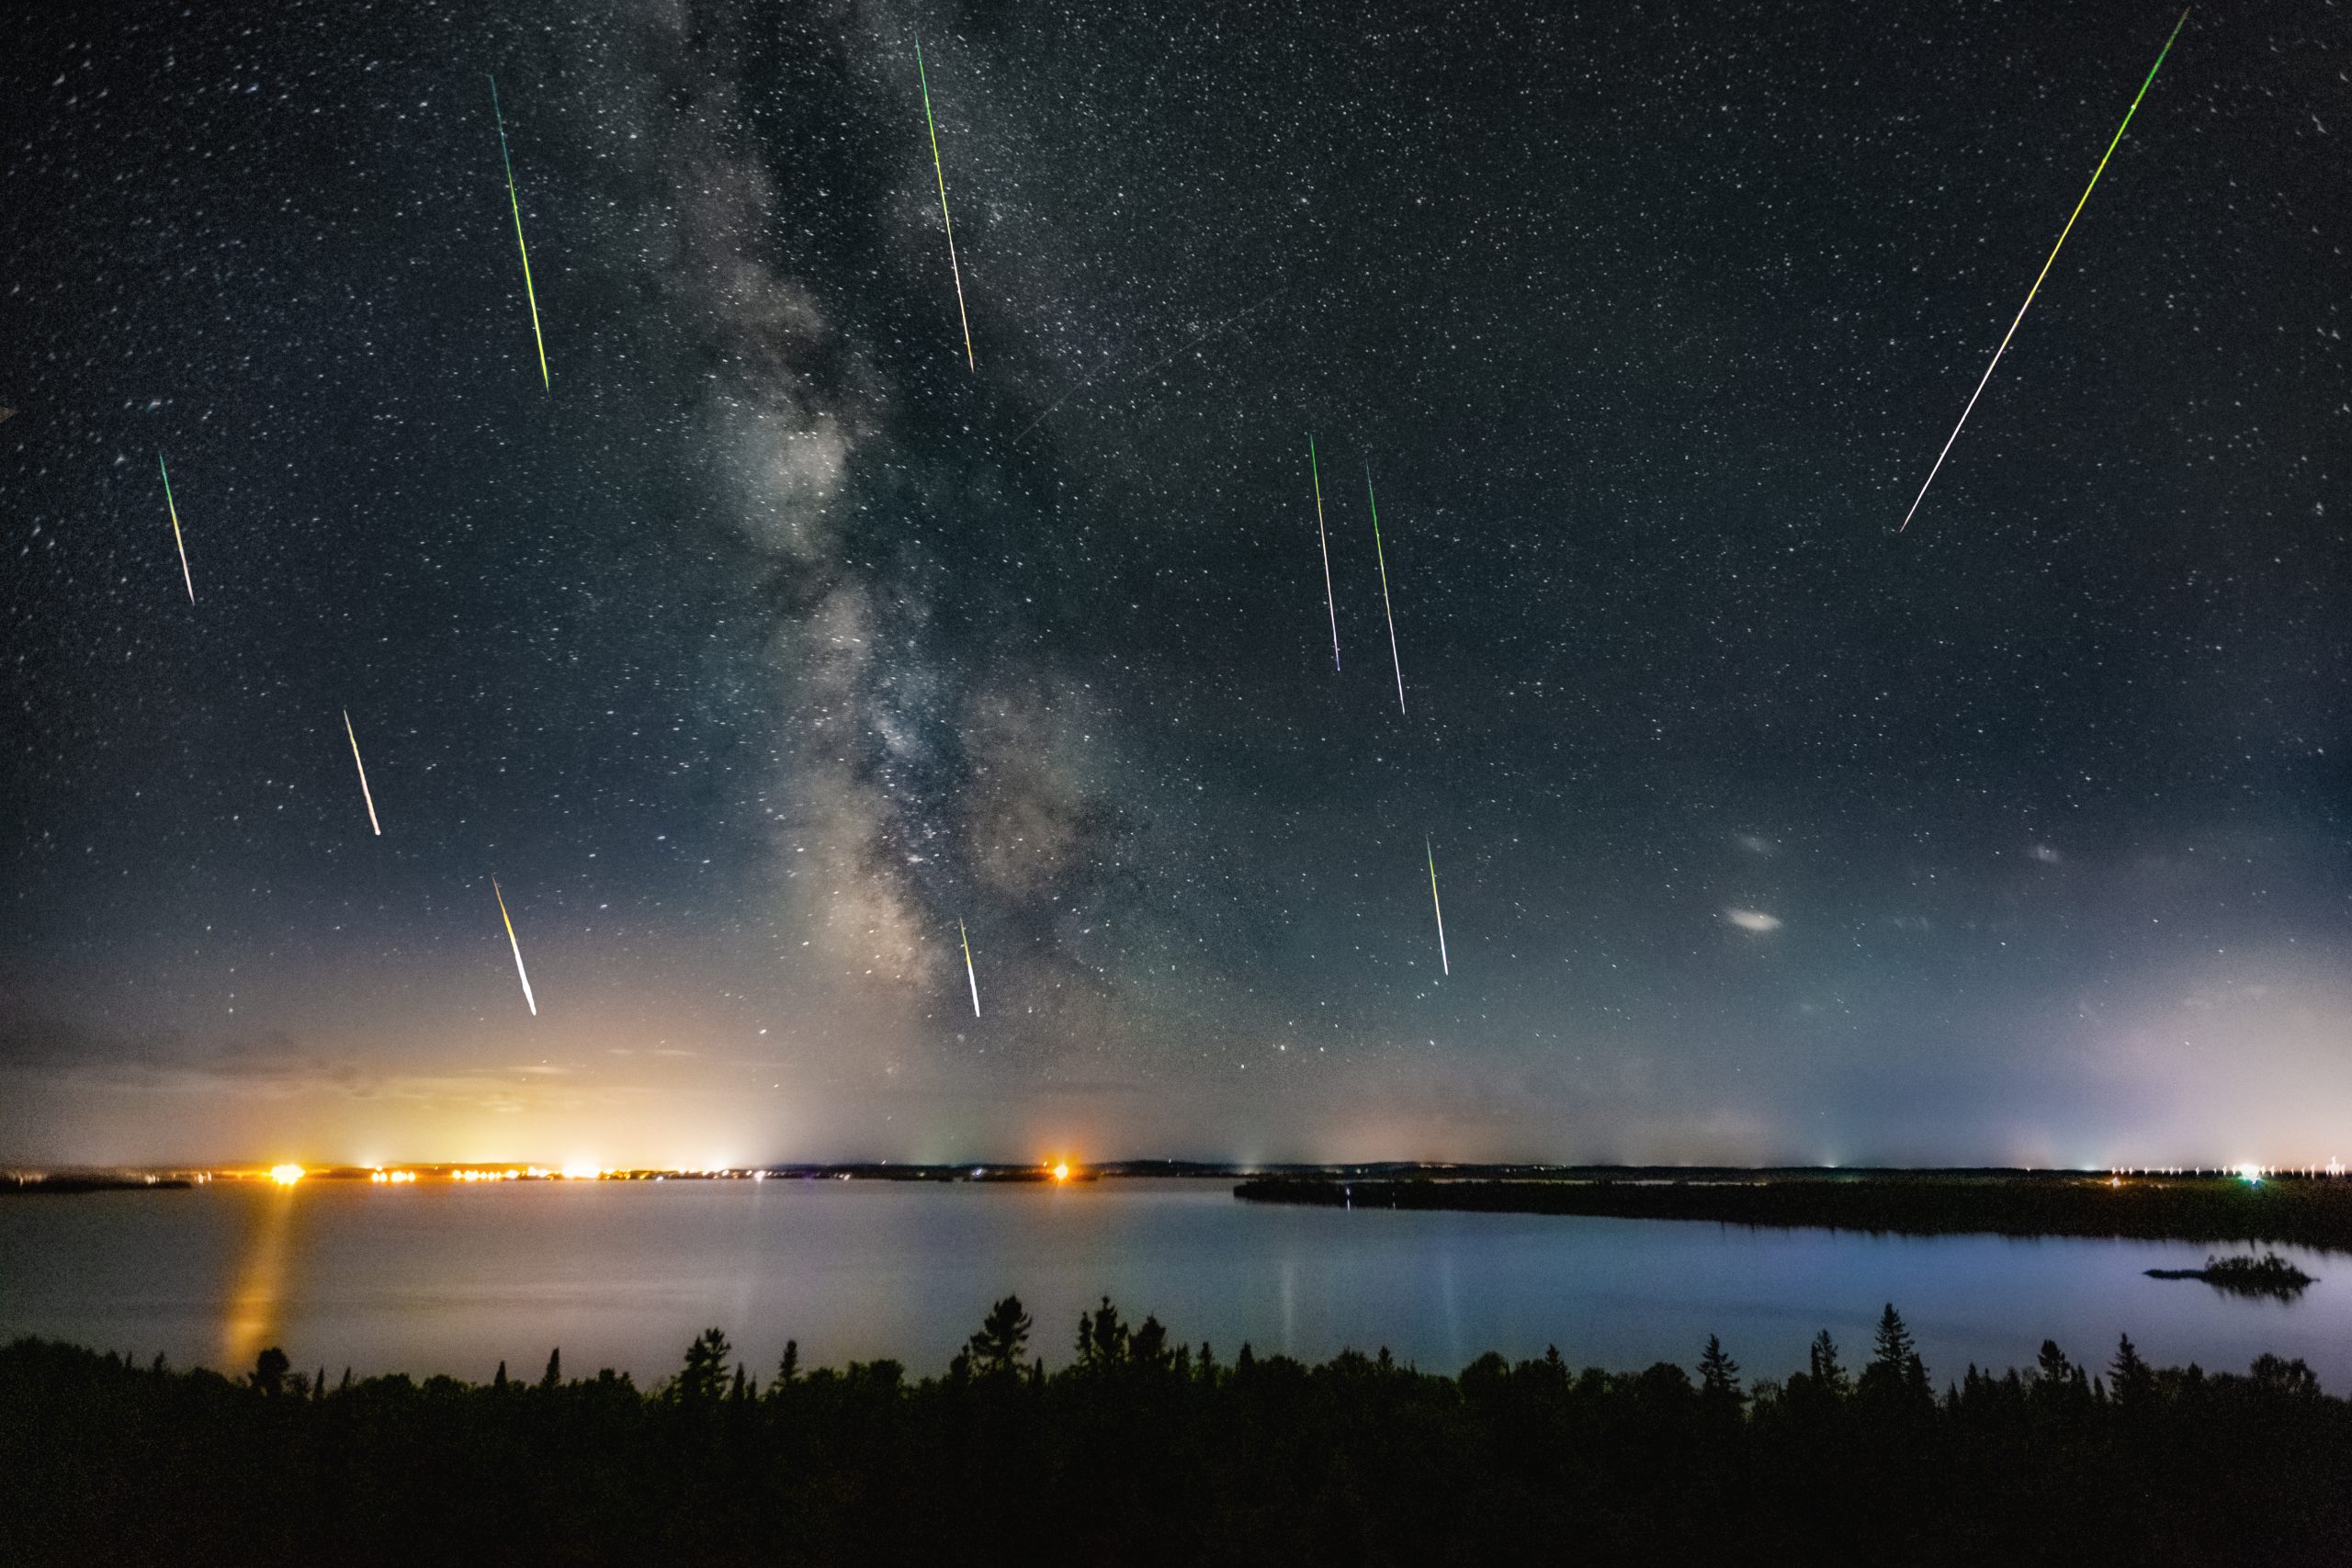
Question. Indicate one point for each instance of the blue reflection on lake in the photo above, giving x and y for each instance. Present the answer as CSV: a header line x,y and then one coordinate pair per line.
x,y
429,1278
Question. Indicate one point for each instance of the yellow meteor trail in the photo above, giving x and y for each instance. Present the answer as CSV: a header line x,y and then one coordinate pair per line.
x,y
528,292
175,509
1443,963
1384,587
369,798
968,972
936,168
1329,603
528,1000
2045,269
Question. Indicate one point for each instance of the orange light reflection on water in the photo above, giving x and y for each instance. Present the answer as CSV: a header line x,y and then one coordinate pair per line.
x,y
257,1301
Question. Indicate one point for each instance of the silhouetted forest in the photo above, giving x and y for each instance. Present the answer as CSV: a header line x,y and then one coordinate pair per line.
x,y
1145,1451
2294,1212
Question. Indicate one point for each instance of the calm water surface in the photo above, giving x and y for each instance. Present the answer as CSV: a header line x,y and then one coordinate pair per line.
x,y
455,1279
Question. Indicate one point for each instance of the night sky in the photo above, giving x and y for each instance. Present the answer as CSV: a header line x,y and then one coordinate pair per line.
x,y
768,641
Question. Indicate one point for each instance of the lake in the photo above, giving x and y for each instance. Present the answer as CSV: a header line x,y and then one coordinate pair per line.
x,y
455,1279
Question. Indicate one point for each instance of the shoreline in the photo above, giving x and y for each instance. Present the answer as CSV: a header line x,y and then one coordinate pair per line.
x,y
2315,1214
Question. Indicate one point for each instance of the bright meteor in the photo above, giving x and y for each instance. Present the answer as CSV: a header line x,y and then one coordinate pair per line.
x,y
1440,909
528,1000
968,972
2045,269
175,509
1322,538
513,201
1385,609
939,170
370,799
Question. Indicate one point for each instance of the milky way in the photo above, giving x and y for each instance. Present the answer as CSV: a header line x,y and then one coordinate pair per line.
x,y
772,636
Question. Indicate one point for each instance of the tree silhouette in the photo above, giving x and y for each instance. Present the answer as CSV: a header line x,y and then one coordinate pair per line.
x,y
1719,1376
1150,1345
1101,1338
1893,1347
1821,1362
2128,1375
704,1376
1896,1375
1003,1342
269,1371
553,1376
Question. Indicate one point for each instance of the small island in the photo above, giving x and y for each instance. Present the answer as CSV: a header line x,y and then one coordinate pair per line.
x,y
2269,1274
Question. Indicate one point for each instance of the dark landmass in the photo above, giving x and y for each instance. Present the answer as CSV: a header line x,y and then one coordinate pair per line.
x,y
67,1184
2315,1213
1142,1451
2269,1274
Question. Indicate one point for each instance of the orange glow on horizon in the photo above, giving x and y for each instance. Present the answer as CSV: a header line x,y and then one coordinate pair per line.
x,y
286,1175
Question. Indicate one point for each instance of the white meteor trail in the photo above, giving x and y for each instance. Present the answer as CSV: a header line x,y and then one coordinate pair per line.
x,y
529,1000
1443,963
2045,272
1382,556
175,509
364,793
968,972
1331,604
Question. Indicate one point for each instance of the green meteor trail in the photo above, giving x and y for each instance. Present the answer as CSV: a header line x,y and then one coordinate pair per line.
x,y
528,292
1443,963
175,509
1322,538
2045,269
1382,556
936,168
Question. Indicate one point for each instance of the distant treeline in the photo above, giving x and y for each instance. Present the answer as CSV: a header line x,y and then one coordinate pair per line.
x,y
68,1185
2302,1212
1143,1452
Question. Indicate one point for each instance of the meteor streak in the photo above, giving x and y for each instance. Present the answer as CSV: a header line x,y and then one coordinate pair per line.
x,y
370,799
1322,538
2045,269
525,976
528,293
174,506
936,168
1384,587
968,972
1442,962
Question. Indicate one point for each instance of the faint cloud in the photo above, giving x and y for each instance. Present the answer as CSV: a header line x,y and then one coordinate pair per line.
x,y
1753,919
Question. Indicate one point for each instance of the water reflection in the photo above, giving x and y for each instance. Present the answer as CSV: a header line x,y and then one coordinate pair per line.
x,y
256,1298
443,1278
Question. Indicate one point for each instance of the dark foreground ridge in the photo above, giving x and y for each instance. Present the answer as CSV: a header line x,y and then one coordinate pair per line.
x,y
2293,1212
1142,1451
